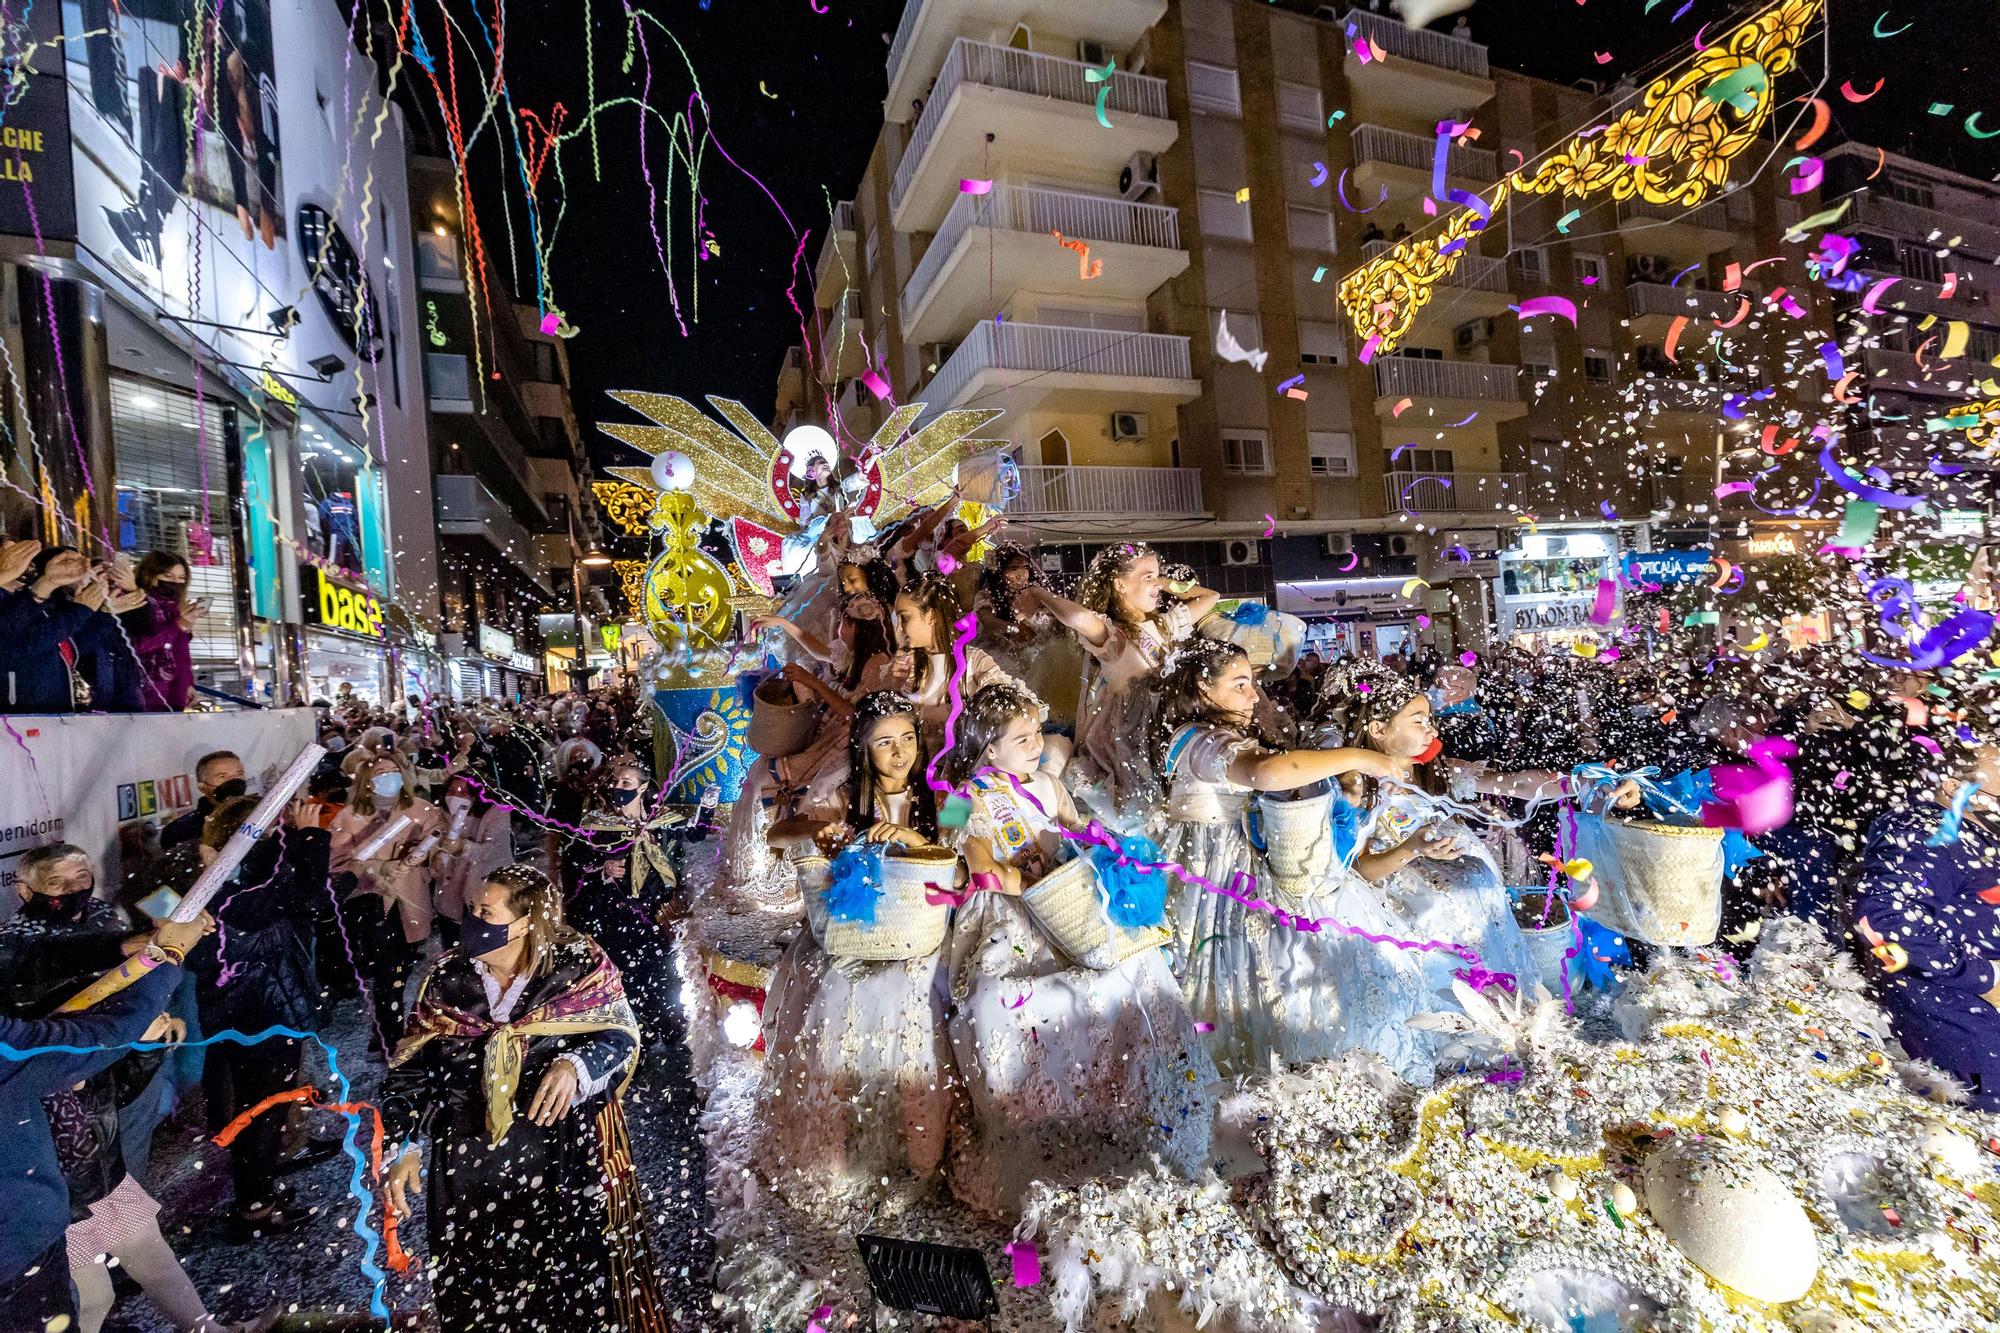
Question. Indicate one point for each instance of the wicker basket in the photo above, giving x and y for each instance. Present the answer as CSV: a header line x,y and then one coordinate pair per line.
x,y
1298,843
1067,904
781,724
907,925
814,872
1660,883
1548,944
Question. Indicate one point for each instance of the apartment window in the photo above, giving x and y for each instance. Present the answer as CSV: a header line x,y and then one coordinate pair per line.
x,y
1244,327
1115,321
1540,371
874,248
1419,353
1246,453
1299,106
1533,263
1921,262
1331,453
1320,342
1221,215
1431,462
556,506
1309,228
1597,366
1908,190
1213,88
1588,269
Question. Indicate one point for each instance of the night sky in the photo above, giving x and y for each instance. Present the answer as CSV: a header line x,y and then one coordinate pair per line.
x,y
810,142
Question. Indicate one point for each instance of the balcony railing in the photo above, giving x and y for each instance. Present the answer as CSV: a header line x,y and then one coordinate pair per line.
x,y
1405,376
1455,491
901,41
465,507
1149,491
829,245
1658,298
1711,216
1022,72
1920,223
1373,143
1475,272
840,329
1054,348
1418,44
1086,217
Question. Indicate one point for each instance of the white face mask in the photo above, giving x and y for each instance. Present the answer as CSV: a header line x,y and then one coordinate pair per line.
x,y
458,805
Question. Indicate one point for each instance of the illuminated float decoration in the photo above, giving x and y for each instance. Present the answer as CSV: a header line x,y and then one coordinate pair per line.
x,y
1673,145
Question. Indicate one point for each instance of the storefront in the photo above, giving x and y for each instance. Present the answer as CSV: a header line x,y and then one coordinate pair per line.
x,y
1359,617
344,637
1547,589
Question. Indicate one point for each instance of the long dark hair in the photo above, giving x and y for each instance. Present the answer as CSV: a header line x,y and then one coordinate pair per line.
x,y
937,597
984,721
863,803
1353,700
1195,665
993,578
872,638
153,566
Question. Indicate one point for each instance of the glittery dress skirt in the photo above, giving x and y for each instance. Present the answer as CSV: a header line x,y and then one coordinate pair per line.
x,y
1069,1073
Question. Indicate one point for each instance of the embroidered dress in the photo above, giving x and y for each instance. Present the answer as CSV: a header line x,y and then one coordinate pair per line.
x,y
1111,772
1461,902
856,1072
1070,1073
1277,994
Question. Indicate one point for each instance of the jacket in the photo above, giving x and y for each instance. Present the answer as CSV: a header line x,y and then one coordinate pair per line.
x,y
166,664
31,1181
264,941
35,638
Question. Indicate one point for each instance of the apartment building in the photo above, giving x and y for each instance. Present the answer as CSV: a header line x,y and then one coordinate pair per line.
x,y
1172,181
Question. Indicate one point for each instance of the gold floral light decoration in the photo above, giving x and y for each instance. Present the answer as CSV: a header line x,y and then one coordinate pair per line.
x,y
627,505
632,582
1674,145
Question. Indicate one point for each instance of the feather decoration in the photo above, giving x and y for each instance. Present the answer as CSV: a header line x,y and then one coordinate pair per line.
x,y
1134,898
855,884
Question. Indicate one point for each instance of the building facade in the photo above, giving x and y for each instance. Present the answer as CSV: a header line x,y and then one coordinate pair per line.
x,y
1125,223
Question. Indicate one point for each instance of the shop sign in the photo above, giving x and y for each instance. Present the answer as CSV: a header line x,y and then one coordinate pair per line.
x,y
1520,617
34,142
495,643
522,662
1961,523
336,604
1668,568
1773,543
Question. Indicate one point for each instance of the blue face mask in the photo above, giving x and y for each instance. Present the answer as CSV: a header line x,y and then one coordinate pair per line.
x,y
388,785
476,936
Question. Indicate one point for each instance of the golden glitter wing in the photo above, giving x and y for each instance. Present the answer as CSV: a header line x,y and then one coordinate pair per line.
x,y
918,473
732,475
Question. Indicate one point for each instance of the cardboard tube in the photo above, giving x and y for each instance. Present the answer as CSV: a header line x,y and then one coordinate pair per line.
x,y
378,844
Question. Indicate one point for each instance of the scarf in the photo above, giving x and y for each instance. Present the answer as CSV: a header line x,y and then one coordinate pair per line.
x,y
594,1003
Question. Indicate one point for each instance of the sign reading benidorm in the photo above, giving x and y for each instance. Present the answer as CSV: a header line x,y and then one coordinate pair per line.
x,y
335,604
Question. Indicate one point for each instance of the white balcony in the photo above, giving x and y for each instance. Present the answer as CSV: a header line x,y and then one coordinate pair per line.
x,y
1402,161
1128,494
466,508
1428,74
836,269
928,28
1449,388
1019,367
1658,301
992,245
1041,112
843,350
1455,492
1477,287
1676,231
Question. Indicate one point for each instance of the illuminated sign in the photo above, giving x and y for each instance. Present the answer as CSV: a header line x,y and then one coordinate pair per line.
x,y
334,604
1776,543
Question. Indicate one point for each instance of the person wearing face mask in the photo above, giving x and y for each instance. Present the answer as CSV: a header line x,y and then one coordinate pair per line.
x,y
380,862
620,887
60,650
508,1080
477,841
162,630
218,776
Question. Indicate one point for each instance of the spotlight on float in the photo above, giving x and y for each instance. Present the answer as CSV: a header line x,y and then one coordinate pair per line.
x,y
672,471
917,1275
741,1026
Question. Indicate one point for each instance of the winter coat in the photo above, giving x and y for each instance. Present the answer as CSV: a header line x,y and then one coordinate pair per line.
x,y
165,658
36,638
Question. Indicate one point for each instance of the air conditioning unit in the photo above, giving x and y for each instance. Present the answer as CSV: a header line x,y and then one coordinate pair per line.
x,y
1140,178
1327,14
1128,425
1472,333
1401,545
1092,53
1337,543
1240,552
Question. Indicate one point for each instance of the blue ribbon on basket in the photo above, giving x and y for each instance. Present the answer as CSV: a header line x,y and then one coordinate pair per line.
x,y
1134,898
854,885
1249,613
1593,778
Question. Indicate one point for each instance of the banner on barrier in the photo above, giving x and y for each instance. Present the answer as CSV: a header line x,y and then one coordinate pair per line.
x,y
108,782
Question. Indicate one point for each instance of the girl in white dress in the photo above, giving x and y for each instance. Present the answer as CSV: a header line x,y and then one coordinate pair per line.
x,y
856,1074
1275,993
1428,868
1120,618
1070,1072
928,613
1027,643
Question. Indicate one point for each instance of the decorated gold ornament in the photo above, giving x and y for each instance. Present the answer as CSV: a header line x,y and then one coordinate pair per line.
x,y
1982,431
632,582
627,505
1674,145
685,585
